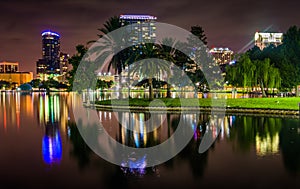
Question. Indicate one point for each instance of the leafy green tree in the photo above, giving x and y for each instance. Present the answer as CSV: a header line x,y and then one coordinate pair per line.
x,y
198,54
247,73
102,84
285,57
75,61
267,76
5,84
35,83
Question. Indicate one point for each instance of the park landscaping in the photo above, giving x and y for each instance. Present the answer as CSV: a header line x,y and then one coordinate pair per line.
x,y
288,103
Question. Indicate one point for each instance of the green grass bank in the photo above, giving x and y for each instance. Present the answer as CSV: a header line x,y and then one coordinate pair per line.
x,y
287,103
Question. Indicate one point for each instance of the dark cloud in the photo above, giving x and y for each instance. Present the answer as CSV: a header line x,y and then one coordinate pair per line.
x,y
229,23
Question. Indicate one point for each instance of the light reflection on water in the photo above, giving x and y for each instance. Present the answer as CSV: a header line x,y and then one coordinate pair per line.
x,y
107,95
44,122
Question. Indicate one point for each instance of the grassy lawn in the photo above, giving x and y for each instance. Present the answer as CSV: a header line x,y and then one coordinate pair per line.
x,y
288,103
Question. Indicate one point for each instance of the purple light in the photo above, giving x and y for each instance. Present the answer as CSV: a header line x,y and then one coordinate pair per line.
x,y
52,149
48,32
138,17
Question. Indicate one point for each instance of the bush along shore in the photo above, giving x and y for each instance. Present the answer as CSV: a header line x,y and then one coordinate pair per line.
x,y
283,106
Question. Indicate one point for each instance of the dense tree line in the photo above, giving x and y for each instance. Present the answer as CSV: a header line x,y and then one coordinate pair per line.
x,y
146,55
249,73
271,67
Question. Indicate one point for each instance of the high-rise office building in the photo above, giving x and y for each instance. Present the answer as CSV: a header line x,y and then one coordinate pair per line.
x,y
50,62
64,63
222,55
264,39
142,28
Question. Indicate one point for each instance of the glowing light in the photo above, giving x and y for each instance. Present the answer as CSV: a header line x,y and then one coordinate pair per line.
x,y
136,139
137,167
267,145
137,17
48,32
251,42
52,149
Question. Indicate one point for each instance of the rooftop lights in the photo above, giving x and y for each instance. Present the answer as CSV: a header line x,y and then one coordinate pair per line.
x,y
137,17
48,32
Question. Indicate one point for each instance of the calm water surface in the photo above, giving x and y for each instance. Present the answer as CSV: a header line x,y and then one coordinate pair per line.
x,y
41,147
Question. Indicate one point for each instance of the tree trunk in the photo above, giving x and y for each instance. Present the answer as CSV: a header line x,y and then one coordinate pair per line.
x,y
168,90
120,86
151,95
128,83
262,89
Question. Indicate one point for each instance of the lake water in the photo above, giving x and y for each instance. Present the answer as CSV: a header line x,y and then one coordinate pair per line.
x,y
41,147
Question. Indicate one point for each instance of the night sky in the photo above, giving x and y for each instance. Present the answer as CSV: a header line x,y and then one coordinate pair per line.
x,y
229,23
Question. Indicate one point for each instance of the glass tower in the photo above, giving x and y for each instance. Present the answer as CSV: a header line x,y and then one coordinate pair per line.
x,y
142,28
50,62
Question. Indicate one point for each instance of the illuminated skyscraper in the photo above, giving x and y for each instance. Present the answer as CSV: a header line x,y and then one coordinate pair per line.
x,y
222,55
64,63
50,62
264,39
142,28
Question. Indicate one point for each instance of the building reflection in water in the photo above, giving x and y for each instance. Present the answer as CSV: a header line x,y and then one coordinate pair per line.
x,y
141,130
52,146
51,115
52,111
263,132
134,166
10,108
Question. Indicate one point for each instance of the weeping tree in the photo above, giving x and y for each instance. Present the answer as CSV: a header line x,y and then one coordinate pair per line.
x,y
267,76
241,74
257,73
247,68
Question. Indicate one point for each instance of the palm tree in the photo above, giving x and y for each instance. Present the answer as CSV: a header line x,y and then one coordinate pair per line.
x,y
75,62
198,31
167,51
109,47
149,64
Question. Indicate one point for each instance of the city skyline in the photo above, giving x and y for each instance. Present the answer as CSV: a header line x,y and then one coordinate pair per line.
x,y
231,24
